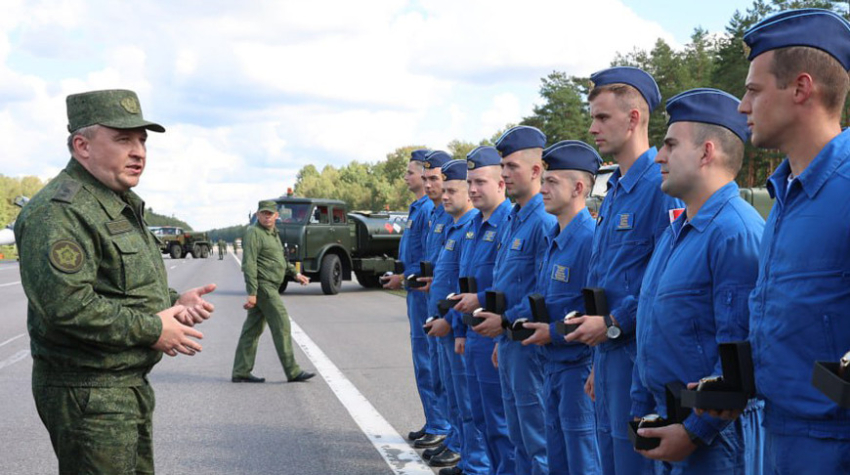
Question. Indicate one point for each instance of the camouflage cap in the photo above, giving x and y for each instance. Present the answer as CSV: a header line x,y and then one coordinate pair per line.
x,y
267,205
116,108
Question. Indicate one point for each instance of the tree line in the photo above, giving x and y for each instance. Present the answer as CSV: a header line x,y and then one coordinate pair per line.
x,y
706,61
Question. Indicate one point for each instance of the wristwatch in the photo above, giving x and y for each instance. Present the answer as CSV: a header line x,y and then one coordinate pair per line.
x,y
613,331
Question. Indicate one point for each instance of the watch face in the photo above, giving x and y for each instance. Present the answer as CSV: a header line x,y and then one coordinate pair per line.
x,y
706,383
844,366
613,332
648,420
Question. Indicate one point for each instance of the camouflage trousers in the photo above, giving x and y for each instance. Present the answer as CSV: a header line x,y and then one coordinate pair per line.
x,y
99,429
269,309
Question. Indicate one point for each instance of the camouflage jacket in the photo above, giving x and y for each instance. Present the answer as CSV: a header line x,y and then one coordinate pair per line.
x,y
263,259
94,280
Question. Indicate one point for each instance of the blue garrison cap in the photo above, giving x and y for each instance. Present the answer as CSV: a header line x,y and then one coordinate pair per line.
x,y
519,138
813,27
436,159
572,155
454,170
709,106
483,157
637,78
419,155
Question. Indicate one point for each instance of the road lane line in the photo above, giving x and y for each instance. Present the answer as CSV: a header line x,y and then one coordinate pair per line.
x,y
10,283
399,455
8,268
21,355
10,340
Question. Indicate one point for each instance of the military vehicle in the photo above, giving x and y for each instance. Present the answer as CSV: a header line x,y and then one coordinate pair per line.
x,y
758,197
327,243
178,243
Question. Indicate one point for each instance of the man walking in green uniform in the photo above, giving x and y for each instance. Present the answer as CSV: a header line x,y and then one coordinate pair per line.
x,y
222,249
265,267
100,312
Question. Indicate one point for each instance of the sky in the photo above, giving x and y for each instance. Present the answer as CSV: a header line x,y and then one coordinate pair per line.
x,y
250,92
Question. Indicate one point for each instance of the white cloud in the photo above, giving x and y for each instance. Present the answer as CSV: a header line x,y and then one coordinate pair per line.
x,y
252,92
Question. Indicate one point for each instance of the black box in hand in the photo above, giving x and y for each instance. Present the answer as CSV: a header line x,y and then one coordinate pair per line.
x,y
734,388
833,380
425,270
675,414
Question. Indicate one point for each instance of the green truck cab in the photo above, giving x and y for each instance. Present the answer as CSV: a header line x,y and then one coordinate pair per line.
x,y
179,243
327,243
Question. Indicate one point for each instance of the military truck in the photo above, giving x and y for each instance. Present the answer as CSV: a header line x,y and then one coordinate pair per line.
x,y
758,197
328,244
178,243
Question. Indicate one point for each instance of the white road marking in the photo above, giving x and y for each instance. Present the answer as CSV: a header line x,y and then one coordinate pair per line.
x,y
10,340
10,283
8,268
173,267
21,355
399,455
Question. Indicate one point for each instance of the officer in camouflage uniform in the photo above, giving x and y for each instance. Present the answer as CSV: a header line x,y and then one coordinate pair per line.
x,y
100,312
265,267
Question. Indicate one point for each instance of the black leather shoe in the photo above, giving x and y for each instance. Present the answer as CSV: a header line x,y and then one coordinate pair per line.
x,y
247,379
451,471
428,440
416,435
302,376
427,454
445,459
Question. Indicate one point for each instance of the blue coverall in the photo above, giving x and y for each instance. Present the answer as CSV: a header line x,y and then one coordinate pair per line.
x,y
694,297
632,216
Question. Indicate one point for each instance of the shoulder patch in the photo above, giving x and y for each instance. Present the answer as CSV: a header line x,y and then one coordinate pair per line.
x,y
67,191
120,226
67,256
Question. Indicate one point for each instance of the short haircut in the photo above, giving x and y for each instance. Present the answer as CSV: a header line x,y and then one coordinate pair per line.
x,y
418,166
87,132
730,145
628,98
828,73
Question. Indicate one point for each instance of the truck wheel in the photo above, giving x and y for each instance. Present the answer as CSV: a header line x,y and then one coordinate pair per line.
x,y
331,274
205,252
175,251
368,280
282,287
196,252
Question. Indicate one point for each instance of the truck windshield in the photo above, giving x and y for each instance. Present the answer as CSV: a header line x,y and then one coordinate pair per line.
x,y
294,212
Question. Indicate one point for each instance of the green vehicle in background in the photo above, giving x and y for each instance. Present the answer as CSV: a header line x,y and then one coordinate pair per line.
x,y
178,243
758,197
328,244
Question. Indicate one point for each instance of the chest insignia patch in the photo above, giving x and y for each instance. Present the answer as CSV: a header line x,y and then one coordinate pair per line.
x,y
470,235
120,226
560,273
516,245
450,245
67,256
438,228
489,236
625,221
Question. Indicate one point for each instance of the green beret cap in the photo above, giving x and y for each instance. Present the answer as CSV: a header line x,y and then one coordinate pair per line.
x,y
116,108
267,205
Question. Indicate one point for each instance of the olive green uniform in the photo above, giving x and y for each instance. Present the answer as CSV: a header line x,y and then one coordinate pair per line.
x,y
94,278
265,267
222,250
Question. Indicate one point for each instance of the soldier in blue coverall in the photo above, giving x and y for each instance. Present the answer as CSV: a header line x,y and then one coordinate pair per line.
x,y
438,221
521,244
796,89
487,192
695,290
570,421
447,330
411,252
632,216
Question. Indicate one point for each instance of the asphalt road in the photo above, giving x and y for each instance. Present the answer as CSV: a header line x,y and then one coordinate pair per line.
x,y
347,420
